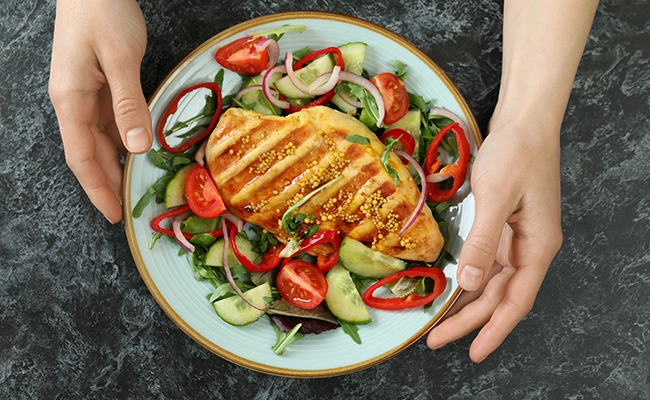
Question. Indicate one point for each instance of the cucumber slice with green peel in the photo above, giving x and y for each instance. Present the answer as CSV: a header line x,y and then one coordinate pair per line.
x,y
214,256
343,105
257,97
235,311
354,54
343,298
175,191
362,260
410,123
306,75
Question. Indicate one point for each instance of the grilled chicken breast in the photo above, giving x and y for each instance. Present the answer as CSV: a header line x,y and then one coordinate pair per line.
x,y
263,165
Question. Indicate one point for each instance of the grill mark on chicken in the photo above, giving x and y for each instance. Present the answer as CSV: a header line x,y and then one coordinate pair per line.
x,y
263,165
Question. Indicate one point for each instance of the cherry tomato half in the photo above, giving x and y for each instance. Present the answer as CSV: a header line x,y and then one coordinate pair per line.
x,y
202,194
243,57
301,284
396,98
406,140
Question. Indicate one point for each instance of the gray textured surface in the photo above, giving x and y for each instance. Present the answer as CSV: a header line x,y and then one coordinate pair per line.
x,y
76,321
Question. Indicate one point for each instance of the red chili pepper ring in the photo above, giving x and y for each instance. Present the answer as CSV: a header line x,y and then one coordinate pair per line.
x,y
173,107
458,170
412,300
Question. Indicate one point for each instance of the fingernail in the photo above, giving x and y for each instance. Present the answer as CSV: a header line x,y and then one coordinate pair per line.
x,y
436,346
470,278
137,140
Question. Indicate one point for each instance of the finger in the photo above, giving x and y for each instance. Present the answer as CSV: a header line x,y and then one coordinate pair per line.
x,y
518,300
107,120
80,150
130,109
108,160
76,114
479,250
472,312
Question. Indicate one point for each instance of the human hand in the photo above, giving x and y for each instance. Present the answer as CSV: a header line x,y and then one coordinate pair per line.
x,y
96,92
515,236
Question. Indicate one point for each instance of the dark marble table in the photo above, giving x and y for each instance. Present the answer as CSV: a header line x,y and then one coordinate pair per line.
x,y
76,320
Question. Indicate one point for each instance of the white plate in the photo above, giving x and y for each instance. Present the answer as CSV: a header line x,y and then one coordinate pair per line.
x,y
169,277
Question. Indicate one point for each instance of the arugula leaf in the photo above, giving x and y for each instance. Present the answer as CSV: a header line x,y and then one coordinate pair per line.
x,y
283,339
276,33
158,159
357,139
263,241
451,146
369,104
297,55
291,224
218,77
157,190
209,108
154,238
384,160
170,163
361,281
143,202
400,69
417,101
243,105
221,292
351,330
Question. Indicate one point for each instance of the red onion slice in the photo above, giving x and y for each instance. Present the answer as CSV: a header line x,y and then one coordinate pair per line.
x,y
288,64
199,157
437,177
226,268
272,94
351,100
235,220
452,116
324,83
423,197
178,235
273,50
247,89
319,86
372,89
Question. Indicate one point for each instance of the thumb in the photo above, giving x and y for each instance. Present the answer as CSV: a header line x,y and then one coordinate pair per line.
x,y
130,108
480,248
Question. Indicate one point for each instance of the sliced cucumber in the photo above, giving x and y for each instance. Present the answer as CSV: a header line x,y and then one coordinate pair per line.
x,y
343,298
235,311
257,97
214,256
354,54
410,123
306,75
362,260
175,191
343,105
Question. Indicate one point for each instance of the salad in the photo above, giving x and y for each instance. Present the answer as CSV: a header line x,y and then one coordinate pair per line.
x,y
252,272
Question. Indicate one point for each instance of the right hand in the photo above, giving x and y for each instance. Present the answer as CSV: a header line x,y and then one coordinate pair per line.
x,y
96,92
515,235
